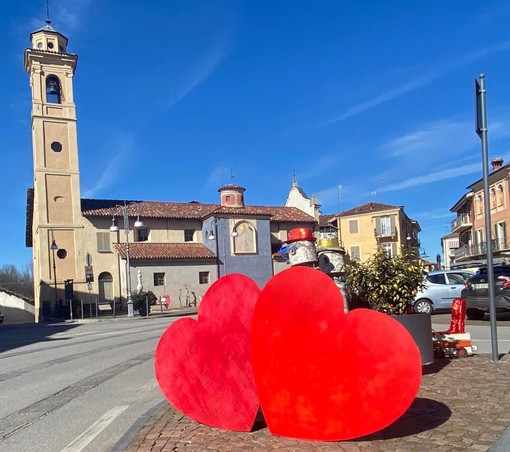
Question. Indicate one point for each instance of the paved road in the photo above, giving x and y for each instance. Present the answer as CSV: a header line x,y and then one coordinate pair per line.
x,y
73,386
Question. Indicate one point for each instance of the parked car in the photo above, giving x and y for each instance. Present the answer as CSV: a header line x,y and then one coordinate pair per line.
x,y
442,286
476,292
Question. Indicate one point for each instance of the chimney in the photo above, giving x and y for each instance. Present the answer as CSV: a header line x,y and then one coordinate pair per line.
x,y
497,164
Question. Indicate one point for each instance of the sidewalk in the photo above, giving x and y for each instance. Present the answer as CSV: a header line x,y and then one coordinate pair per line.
x,y
463,404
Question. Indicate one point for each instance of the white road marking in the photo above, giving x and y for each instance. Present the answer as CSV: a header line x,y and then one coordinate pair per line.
x,y
95,429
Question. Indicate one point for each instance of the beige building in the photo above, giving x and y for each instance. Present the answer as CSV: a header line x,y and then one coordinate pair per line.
x,y
298,198
107,249
469,225
365,228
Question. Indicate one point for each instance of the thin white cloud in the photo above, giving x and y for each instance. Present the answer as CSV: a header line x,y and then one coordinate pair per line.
x,y
442,175
68,14
115,168
434,139
202,69
418,82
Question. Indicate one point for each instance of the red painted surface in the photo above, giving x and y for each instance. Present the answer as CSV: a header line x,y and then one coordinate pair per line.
x,y
204,367
300,234
324,375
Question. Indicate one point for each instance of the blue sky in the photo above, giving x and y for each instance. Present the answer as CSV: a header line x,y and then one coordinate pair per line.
x,y
360,100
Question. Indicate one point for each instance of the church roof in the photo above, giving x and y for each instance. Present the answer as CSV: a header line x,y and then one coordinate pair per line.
x,y
146,250
49,29
189,210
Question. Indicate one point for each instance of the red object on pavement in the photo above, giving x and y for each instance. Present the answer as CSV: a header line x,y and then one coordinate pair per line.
x,y
458,319
165,299
299,234
325,375
204,367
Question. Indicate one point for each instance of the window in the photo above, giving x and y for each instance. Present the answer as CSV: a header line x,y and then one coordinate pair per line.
x,y
355,253
203,277
500,195
52,89
188,235
389,248
480,204
56,146
159,279
142,235
353,227
103,242
437,278
384,226
456,278
500,233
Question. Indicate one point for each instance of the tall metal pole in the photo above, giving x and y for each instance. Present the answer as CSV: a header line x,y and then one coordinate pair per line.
x,y
482,132
128,266
54,271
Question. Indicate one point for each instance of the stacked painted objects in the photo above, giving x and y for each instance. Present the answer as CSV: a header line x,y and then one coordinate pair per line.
x,y
299,248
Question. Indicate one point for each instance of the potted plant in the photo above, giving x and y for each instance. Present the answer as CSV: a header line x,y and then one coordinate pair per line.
x,y
140,303
388,285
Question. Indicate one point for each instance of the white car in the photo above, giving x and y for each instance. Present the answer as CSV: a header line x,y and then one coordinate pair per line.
x,y
442,286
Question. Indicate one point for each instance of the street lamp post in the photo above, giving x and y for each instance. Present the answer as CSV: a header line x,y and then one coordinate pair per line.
x,y
53,248
223,231
115,228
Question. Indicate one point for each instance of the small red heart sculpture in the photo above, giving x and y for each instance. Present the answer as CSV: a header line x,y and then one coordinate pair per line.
x,y
325,375
204,367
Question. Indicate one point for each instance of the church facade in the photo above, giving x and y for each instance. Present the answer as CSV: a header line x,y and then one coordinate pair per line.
x,y
99,251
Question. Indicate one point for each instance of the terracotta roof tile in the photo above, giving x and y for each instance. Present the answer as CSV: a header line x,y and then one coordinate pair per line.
x,y
188,210
324,220
147,209
145,250
366,208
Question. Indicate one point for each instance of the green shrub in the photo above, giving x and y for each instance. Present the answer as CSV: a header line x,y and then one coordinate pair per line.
x,y
138,299
383,283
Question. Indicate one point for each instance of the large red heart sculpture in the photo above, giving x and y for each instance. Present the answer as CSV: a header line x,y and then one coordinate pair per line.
x,y
325,375
204,367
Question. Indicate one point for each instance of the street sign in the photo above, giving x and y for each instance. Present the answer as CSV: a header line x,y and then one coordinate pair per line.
x,y
68,288
88,259
479,120
89,273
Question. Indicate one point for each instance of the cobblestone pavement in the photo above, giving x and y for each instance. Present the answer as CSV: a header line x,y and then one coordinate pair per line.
x,y
463,404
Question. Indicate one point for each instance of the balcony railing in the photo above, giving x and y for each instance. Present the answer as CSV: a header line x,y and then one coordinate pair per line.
x,y
385,232
463,220
499,244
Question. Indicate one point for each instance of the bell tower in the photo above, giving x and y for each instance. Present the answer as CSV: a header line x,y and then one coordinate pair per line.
x,y
57,231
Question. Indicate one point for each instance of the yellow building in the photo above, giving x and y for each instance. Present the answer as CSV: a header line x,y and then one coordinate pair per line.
x,y
365,228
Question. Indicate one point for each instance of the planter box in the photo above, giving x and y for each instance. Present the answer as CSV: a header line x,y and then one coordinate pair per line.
x,y
420,328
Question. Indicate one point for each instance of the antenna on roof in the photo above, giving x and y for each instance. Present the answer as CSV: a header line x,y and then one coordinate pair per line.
x,y
48,21
339,196
231,176
222,176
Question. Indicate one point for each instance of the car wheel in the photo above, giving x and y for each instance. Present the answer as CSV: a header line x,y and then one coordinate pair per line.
x,y
475,314
423,307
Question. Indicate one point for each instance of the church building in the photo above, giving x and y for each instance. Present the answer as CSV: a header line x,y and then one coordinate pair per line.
x,y
98,252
